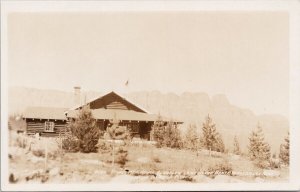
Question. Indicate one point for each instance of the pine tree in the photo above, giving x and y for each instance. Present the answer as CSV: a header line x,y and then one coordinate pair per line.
x,y
211,139
284,154
172,136
85,130
259,150
191,139
219,144
166,135
236,146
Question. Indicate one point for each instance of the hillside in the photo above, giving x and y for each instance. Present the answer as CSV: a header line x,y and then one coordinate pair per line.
x,y
188,107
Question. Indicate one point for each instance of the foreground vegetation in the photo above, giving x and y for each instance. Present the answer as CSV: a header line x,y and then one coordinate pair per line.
x,y
144,163
86,154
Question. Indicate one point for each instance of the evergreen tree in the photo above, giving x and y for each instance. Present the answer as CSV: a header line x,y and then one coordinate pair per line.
x,y
284,154
191,139
236,146
85,130
259,150
219,144
166,135
172,136
211,139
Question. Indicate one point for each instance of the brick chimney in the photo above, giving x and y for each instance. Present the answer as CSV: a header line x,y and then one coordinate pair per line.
x,y
77,95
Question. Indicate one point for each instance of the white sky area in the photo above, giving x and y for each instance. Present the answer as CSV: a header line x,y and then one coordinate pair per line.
x,y
244,55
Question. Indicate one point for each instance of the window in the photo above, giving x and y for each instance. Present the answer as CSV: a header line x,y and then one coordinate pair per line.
x,y
49,126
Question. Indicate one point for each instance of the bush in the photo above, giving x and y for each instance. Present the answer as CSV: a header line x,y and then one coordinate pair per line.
x,y
236,146
263,164
70,144
156,160
21,141
122,154
274,164
38,153
223,168
104,146
188,178
12,178
54,154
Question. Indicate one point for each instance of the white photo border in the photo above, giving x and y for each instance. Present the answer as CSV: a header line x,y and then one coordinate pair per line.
x,y
292,7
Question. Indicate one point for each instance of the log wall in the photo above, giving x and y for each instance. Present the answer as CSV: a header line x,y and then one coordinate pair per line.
x,y
34,126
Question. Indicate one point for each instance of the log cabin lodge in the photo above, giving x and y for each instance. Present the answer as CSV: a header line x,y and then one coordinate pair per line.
x,y
50,121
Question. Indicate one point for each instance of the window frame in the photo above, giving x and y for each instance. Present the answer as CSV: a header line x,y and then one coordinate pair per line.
x,y
49,126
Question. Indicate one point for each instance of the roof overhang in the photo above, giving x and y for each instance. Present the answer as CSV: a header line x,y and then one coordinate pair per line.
x,y
45,113
123,115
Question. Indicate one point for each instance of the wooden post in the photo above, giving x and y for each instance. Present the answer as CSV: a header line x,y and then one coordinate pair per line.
x,y
113,161
61,151
46,154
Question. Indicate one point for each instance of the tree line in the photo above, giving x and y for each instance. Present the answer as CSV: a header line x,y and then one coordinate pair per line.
x,y
84,136
210,139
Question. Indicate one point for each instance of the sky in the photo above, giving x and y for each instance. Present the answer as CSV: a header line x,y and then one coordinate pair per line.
x,y
244,55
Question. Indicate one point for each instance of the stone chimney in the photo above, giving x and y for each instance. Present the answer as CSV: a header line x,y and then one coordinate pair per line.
x,y
77,95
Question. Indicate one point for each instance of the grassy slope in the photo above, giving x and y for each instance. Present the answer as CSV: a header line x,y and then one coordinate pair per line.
x,y
96,167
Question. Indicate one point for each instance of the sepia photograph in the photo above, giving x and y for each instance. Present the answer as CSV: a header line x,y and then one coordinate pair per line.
x,y
149,94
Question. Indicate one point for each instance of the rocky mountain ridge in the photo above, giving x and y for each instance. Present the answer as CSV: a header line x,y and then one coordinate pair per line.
x,y
192,108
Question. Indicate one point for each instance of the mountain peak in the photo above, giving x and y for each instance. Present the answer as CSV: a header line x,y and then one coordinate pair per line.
x,y
220,100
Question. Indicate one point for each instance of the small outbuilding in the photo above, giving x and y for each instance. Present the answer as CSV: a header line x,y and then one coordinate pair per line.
x,y
47,121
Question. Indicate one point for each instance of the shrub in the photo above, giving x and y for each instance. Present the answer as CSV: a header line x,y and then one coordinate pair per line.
x,y
188,178
262,163
274,164
70,144
12,178
223,168
21,141
122,154
54,154
38,153
236,146
104,146
156,160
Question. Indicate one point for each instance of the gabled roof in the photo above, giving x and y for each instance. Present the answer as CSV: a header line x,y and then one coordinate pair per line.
x,y
45,113
110,93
